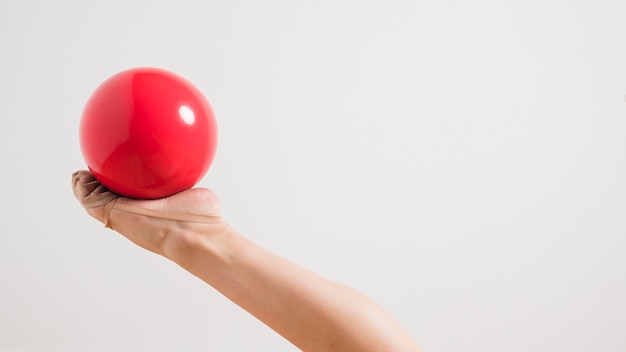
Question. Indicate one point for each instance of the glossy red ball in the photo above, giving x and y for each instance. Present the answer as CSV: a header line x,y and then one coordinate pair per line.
x,y
148,133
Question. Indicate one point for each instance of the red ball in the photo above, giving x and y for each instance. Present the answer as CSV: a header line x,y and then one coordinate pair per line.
x,y
148,133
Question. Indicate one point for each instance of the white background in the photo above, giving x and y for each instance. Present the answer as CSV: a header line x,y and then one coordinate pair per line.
x,y
462,163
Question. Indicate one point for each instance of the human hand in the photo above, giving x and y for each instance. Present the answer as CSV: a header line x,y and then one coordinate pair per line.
x,y
165,226
314,313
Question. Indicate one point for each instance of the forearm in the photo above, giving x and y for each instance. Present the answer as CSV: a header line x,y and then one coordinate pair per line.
x,y
315,314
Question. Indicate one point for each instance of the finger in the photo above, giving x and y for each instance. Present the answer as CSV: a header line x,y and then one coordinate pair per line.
x,y
89,192
92,194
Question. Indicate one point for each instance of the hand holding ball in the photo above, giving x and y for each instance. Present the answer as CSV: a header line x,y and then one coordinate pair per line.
x,y
148,133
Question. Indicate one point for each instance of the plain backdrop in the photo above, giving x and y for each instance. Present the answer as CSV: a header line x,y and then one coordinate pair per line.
x,y
461,162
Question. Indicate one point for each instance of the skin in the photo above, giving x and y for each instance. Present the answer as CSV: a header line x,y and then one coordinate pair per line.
x,y
313,313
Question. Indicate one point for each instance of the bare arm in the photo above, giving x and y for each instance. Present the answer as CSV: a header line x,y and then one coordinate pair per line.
x,y
313,313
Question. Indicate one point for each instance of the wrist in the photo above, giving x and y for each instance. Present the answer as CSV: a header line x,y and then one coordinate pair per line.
x,y
186,242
